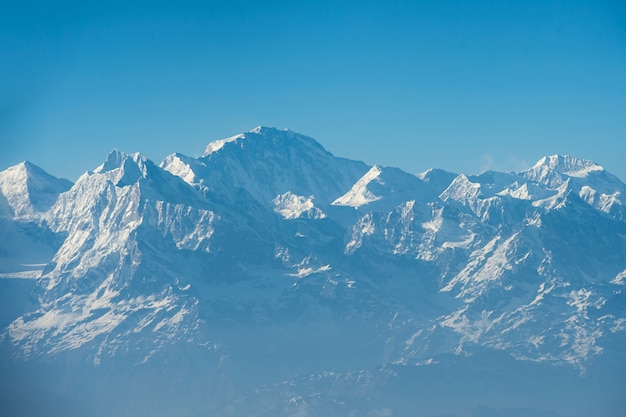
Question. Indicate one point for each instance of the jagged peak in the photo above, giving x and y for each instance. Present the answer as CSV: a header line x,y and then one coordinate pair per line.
x,y
117,159
125,168
553,170
567,165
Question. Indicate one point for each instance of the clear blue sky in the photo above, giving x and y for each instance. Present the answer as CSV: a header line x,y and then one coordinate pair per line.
x,y
459,85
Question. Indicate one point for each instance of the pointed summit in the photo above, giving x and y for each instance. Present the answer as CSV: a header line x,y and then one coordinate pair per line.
x,y
383,188
117,159
29,190
361,193
113,160
124,169
268,162
155,182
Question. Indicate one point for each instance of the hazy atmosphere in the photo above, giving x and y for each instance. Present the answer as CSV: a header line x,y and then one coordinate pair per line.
x,y
227,209
463,86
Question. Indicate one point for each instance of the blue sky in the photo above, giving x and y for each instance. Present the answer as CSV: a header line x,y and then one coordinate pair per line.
x,y
459,85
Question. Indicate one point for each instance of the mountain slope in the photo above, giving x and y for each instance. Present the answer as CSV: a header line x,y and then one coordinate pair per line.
x,y
268,162
270,275
99,284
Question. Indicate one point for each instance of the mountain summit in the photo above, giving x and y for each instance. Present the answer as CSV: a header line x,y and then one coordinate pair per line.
x,y
267,162
28,190
269,277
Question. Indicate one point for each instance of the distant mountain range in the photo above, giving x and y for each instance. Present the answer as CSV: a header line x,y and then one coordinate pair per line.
x,y
271,278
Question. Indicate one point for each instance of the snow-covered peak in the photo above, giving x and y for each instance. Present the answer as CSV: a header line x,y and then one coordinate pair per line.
x,y
384,188
113,160
216,145
359,194
29,190
553,170
259,132
437,179
267,162
568,165
124,169
461,189
180,165
23,171
117,159
596,186
16,174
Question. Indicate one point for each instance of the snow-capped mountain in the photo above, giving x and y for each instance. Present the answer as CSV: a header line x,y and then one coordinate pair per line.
x,y
26,195
267,163
28,191
269,277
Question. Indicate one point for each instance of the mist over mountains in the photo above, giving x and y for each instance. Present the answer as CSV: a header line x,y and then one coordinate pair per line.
x,y
270,278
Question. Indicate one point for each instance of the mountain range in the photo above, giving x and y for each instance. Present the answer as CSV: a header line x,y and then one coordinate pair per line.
x,y
270,278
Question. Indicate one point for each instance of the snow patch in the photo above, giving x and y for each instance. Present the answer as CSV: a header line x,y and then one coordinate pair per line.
x,y
306,271
292,206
